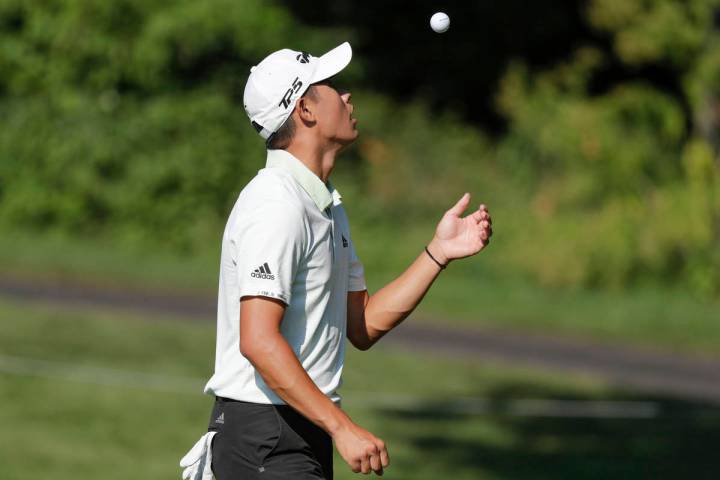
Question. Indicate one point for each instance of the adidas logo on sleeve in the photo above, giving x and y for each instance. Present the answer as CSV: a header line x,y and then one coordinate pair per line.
x,y
263,271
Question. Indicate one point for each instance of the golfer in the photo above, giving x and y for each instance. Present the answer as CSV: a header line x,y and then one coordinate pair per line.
x,y
292,287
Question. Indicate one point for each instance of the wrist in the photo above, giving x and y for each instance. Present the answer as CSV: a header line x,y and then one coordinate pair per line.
x,y
336,421
436,252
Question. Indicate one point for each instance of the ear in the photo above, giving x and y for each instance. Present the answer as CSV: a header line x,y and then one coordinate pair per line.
x,y
305,110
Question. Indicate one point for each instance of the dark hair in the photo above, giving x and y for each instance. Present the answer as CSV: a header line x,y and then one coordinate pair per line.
x,y
280,140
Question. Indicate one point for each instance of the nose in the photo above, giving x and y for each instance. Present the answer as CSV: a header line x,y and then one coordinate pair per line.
x,y
347,96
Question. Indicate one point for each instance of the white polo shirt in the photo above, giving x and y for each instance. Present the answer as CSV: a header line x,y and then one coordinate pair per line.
x,y
287,238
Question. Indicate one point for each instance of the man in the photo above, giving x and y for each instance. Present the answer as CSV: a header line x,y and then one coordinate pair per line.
x,y
292,287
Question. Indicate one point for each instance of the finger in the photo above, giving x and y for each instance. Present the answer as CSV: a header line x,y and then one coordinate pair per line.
x,y
375,464
365,465
483,207
384,457
480,215
485,232
460,206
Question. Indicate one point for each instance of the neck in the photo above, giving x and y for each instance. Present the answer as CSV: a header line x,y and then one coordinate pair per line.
x,y
320,160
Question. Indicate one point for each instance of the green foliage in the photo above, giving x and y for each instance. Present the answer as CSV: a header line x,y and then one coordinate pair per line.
x,y
409,164
123,119
162,167
653,31
619,193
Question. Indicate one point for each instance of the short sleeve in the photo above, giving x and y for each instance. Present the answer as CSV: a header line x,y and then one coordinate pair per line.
x,y
269,248
356,272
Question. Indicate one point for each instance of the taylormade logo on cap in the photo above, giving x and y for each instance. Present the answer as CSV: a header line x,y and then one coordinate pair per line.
x,y
275,84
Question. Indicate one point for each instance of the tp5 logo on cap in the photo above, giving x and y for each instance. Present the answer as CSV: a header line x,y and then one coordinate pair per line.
x,y
275,84
285,102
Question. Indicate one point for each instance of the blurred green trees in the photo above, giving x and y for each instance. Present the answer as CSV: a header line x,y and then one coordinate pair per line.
x,y
625,177
124,118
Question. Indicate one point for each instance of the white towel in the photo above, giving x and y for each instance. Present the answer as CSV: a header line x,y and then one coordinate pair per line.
x,y
196,463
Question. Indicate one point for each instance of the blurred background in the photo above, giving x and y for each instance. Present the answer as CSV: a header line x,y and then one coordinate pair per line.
x,y
584,343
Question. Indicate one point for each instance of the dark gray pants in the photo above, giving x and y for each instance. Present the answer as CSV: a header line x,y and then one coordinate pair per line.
x,y
267,442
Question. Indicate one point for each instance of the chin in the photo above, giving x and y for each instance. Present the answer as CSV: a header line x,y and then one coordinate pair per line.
x,y
355,136
351,137
346,142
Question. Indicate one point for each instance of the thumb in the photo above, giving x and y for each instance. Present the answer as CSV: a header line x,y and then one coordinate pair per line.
x,y
460,206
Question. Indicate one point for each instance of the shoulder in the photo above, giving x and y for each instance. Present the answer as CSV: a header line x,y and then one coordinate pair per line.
x,y
272,186
270,200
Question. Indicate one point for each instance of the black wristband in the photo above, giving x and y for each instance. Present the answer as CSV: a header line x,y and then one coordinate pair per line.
x,y
442,267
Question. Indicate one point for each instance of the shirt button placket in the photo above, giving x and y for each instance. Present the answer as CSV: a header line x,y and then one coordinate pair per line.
x,y
328,210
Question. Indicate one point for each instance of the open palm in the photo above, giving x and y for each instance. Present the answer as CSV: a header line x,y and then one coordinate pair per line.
x,y
458,237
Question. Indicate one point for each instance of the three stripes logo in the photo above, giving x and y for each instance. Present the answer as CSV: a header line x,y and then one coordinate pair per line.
x,y
263,271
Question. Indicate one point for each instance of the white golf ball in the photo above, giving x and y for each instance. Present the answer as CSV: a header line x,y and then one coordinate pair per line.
x,y
440,22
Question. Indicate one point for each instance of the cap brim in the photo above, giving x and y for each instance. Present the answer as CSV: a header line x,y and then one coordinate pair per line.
x,y
332,63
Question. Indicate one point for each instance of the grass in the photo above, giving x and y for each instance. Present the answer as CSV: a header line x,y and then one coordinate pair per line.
x,y
65,418
479,292
673,322
103,261
473,292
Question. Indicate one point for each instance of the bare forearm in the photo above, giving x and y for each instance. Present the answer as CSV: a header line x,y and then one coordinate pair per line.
x,y
395,301
262,343
279,367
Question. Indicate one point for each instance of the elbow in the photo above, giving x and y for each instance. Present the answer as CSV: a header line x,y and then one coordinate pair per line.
x,y
361,345
246,348
254,348
360,339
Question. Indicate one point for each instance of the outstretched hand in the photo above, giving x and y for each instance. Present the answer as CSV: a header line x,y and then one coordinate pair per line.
x,y
457,237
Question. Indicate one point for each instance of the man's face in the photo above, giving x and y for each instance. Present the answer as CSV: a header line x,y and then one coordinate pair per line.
x,y
334,113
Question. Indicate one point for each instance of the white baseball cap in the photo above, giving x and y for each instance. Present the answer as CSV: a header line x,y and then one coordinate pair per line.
x,y
281,78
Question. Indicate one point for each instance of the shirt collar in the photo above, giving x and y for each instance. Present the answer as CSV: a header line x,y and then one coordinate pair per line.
x,y
322,194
